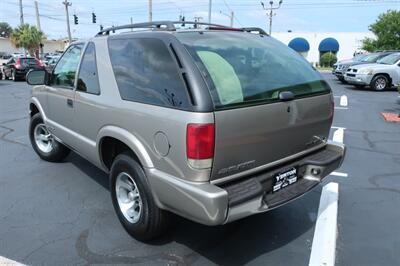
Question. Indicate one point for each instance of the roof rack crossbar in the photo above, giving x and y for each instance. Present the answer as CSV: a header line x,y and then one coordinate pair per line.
x,y
168,26
252,29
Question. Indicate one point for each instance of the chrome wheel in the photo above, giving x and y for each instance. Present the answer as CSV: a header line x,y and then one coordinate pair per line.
x,y
43,138
380,83
128,197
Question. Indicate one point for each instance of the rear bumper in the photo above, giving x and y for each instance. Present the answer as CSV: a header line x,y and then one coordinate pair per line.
x,y
210,204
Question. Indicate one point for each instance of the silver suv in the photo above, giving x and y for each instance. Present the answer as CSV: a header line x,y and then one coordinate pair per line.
x,y
213,124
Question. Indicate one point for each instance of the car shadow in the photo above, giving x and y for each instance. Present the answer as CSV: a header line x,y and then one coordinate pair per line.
x,y
235,243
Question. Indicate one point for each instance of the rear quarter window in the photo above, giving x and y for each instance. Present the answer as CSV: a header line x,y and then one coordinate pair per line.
x,y
146,72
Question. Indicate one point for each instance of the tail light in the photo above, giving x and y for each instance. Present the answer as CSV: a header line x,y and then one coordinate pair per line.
x,y
200,145
39,63
18,63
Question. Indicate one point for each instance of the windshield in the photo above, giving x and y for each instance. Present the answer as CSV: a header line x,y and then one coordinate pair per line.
x,y
390,59
371,58
245,68
359,57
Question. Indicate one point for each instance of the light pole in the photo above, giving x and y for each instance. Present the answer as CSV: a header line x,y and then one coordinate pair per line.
x,y
270,12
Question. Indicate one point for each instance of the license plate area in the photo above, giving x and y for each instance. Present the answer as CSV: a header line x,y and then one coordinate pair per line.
x,y
284,179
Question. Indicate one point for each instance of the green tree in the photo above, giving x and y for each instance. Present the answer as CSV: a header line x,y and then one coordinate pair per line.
x,y
5,30
387,32
327,59
28,37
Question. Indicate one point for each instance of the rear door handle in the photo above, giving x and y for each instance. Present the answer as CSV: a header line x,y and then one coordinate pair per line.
x,y
70,103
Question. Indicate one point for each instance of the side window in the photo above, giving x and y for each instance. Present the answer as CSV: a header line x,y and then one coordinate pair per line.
x,y
65,71
146,72
87,77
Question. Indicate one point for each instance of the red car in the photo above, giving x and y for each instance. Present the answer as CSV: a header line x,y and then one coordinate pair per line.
x,y
17,67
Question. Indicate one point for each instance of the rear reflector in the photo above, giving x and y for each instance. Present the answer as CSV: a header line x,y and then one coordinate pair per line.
x,y
200,145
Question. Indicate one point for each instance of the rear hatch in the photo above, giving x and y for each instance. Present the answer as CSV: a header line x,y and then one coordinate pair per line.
x,y
30,63
270,104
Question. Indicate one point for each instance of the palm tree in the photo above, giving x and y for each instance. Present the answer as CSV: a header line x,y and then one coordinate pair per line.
x,y
28,37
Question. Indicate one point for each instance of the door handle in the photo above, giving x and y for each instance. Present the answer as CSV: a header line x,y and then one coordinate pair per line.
x,y
70,103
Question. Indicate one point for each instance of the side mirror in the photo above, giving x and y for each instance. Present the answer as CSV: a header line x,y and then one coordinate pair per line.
x,y
4,64
37,77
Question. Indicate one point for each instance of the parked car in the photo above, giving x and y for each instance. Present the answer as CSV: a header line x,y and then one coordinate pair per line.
x,y
339,66
366,59
17,67
212,124
384,74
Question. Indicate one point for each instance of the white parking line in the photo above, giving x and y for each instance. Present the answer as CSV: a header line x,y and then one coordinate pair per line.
x,y
324,242
6,261
337,127
340,174
338,135
341,108
343,100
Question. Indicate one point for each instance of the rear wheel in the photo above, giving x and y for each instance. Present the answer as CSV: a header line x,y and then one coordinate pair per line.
x,y
380,83
133,201
44,144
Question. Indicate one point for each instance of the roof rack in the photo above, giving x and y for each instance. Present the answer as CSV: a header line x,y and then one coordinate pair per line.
x,y
255,29
160,25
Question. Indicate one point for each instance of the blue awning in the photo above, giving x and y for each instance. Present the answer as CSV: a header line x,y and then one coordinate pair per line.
x,y
329,45
299,45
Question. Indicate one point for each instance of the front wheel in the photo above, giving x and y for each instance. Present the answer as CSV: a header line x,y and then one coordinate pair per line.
x,y
133,201
380,83
44,144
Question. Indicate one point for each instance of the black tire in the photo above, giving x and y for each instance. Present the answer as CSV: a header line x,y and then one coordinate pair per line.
x,y
380,83
343,80
58,151
152,221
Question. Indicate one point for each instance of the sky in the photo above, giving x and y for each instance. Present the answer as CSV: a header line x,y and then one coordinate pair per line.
x,y
294,15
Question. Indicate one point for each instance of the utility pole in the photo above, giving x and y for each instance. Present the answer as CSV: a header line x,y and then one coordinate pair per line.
x,y
270,12
131,23
150,10
231,17
39,27
209,10
67,4
21,13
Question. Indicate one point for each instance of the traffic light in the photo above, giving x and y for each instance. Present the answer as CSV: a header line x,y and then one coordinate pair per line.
x,y
183,21
93,18
75,19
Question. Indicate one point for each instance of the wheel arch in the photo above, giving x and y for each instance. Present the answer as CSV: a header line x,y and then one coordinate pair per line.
x,y
35,107
383,74
117,140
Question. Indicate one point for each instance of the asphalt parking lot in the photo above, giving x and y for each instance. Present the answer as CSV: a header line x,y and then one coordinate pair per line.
x,y
61,213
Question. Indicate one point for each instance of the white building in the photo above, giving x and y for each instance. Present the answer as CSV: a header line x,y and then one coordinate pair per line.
x,y
48,46
347,42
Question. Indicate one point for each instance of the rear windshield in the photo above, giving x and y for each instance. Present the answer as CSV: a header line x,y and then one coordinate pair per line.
x,y
245,68
28,61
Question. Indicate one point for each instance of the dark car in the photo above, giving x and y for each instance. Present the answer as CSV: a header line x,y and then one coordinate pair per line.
x,y
17,67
